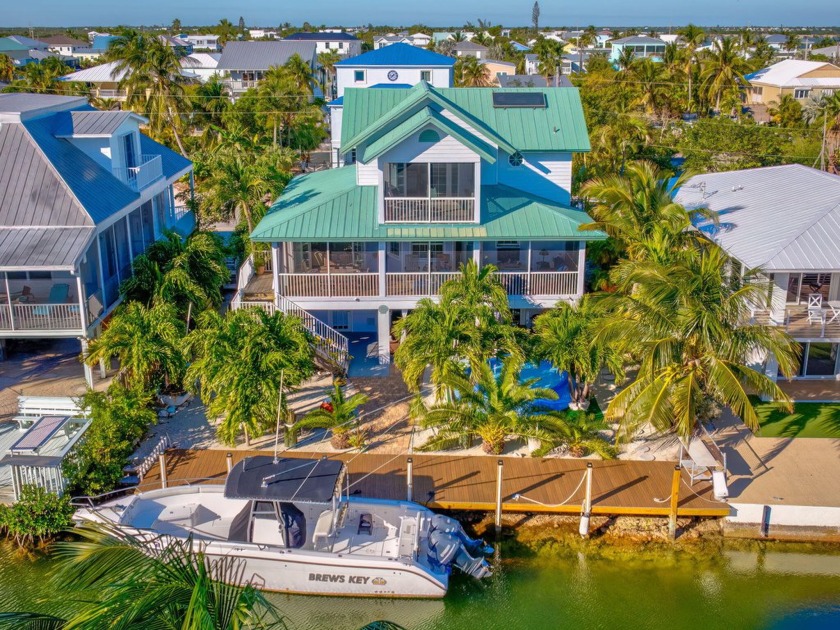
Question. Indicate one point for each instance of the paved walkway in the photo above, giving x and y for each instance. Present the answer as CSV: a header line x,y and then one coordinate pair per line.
x,y
779,471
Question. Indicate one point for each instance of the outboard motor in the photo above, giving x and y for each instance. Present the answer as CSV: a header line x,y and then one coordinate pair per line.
x,y
450,546
475,546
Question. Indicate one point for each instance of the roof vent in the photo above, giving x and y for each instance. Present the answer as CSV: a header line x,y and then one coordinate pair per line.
x,y
519,99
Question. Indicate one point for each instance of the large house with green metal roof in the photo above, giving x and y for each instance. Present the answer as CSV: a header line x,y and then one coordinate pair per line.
x,y
435,177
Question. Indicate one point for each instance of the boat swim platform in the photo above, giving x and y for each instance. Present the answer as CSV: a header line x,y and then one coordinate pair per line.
x,y
461,483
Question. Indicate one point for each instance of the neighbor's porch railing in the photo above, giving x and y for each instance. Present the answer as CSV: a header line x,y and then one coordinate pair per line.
x,y
329,285
40,317
426,210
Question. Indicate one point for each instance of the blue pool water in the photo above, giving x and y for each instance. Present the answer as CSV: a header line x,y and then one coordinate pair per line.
x,y
548,377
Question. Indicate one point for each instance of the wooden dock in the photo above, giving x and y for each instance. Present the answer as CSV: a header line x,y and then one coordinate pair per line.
x,y
546,485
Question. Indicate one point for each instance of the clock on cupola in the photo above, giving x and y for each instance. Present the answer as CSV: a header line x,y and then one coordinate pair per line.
x,y
393,75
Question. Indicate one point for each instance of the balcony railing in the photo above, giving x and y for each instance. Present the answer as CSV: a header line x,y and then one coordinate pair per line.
x,y
240,85
332,285
426,210
146,173
418,284
822,324
40,317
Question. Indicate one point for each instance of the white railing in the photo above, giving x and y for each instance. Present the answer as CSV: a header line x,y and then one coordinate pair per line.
x,y
40,317
106,93
426,210
179,212
329,343
539,282
417,283
144,174
239,85
329,285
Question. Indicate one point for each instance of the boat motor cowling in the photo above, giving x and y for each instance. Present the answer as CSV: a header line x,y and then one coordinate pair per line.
x,y
446,524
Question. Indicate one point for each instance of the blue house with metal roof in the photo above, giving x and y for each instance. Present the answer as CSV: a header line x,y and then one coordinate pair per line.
x,y
82,193
436,177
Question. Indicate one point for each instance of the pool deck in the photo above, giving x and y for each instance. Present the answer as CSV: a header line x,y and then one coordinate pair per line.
x,y
546,485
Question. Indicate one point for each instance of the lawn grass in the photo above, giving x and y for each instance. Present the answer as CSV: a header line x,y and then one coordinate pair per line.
x,y
808,420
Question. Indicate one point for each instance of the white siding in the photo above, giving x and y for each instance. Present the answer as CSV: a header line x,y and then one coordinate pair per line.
x,y
374,75
548,175
447,150
367,174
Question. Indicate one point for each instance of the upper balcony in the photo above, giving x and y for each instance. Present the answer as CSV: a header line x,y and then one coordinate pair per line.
x,y
426,210
149,171
430,192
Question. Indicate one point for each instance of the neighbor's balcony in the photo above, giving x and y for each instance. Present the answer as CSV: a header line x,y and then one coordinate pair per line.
x,y
146,173
40,305
240,85
429,210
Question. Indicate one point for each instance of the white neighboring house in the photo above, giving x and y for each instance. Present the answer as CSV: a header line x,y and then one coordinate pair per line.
x,y
208,43
380,41
259,33
344,44
84,193
243,64
398,65
200,65
470,49
103,80
442,176
532,64
68,46
785,221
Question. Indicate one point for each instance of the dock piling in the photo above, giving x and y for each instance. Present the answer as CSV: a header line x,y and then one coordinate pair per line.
x,y
587,504
229,460
409,479
675,500
499,497
162,460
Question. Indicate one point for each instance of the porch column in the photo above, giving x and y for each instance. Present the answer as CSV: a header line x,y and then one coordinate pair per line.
x,y
88,370
82,314
9,300
778,298
128,242
157,229
275,268
383,334
477,253
834,287
528,283
581,266
381,261
105,301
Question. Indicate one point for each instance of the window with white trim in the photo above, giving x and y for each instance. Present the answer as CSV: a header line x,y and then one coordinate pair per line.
x,y
359,76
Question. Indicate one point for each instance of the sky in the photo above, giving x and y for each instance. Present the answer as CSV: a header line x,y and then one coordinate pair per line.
x,y
662,13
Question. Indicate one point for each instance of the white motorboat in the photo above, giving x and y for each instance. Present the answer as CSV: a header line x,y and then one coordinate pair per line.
x,y
297,532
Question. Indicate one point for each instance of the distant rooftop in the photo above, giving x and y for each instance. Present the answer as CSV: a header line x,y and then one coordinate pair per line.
x,y
322,37
397,55
639,39
263,55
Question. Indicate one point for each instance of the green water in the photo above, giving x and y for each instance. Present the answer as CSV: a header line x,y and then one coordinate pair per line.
x,y
779,587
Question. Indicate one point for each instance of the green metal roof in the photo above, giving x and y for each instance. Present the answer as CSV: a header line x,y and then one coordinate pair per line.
x,y
424,117
329,206
560,126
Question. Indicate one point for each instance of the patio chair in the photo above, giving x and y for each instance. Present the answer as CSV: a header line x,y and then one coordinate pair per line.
x,y
815,312
58,295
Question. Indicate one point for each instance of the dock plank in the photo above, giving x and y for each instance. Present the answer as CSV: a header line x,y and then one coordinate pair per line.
x,y
458,482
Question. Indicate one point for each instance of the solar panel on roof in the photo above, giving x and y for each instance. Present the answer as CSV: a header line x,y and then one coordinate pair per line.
x,y
518,99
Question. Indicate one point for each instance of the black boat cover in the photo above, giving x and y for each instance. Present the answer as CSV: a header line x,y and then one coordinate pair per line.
x,y
293,480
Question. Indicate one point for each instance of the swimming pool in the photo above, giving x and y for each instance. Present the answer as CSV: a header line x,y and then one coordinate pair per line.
x,y
548,377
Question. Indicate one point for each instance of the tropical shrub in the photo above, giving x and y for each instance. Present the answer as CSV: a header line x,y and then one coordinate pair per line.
x,y
340,416
120,417
37,515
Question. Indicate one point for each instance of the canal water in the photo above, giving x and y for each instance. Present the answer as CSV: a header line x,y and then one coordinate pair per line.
x,y
778,587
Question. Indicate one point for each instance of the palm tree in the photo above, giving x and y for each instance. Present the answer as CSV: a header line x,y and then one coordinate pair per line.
x,y
492,407
791,42
301,73
327,60
693,37
687,321
432,336
638,210
625,135
787,112
566,336
179,271
7,68
237,362
470,72
153,80
239,184
723,70
477,290
283,99
646,73
147,343
339,415
226,31
117,580
625,60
